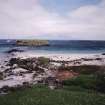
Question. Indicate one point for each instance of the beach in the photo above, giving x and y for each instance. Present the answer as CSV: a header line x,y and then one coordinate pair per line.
x,y
67,57
14,78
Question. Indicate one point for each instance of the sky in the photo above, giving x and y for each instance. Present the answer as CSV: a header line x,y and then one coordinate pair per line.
x,y
52,19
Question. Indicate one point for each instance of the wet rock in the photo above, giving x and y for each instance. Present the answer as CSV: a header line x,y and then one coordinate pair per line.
x,y
27,84
2,93
2,67
5,89
53,83
13,61
103,53
1,76
98,59
14,51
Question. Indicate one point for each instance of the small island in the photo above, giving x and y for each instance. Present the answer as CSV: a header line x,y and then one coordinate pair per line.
x,y
32,42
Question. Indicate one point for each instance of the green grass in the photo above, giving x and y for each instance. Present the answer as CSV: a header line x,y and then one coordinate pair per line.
x,y
84,81
40,95
84,69
90,82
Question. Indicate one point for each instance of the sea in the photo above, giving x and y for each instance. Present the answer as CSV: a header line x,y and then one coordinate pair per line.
x,y
58,47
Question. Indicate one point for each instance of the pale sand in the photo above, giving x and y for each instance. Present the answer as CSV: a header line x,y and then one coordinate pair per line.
x,y
67,57
61,57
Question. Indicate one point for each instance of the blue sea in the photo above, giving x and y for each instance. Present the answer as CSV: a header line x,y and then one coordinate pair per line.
x,y
58,46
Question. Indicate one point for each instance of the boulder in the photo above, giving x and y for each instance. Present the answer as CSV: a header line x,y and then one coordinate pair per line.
x,y
103,53
14,50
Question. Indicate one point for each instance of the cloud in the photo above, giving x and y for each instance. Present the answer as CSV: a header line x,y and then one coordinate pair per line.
x,y
29,19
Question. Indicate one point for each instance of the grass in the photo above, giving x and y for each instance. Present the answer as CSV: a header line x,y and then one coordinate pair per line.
x,y
84,81
40,95
83,90
94,82
85,69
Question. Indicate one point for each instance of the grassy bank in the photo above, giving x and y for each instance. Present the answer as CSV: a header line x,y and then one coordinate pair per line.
x,y
40,95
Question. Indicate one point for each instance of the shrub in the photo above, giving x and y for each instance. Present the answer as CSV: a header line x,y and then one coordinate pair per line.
x,y
84,69
43,61
84,81
94,82
100,85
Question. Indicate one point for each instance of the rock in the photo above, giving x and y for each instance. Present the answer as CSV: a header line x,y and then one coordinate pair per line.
x,y
14,50
5,89
15,66
52,87
53,83
13,61
2,93
1,76
17,87
103,53
98,59
19,70
2,67
27,84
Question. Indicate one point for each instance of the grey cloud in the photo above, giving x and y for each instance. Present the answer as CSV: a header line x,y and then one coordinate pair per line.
x,y
27,18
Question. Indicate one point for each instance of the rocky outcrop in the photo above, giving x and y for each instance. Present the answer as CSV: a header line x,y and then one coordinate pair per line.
x,y
32,43
14,51
103,53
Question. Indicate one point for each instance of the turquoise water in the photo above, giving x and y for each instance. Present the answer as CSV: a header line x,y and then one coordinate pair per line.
x,y
58,46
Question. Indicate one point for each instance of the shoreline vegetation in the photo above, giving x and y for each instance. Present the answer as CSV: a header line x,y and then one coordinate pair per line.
x,y
71,78
32,42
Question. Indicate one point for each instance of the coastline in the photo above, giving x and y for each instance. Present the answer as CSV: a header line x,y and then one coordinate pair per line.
x,y
18,75
60,56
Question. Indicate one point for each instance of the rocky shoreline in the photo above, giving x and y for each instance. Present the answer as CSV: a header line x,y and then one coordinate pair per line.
x,y
19,72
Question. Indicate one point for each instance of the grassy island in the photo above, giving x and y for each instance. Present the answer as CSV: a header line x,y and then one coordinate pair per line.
x,y
32,42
